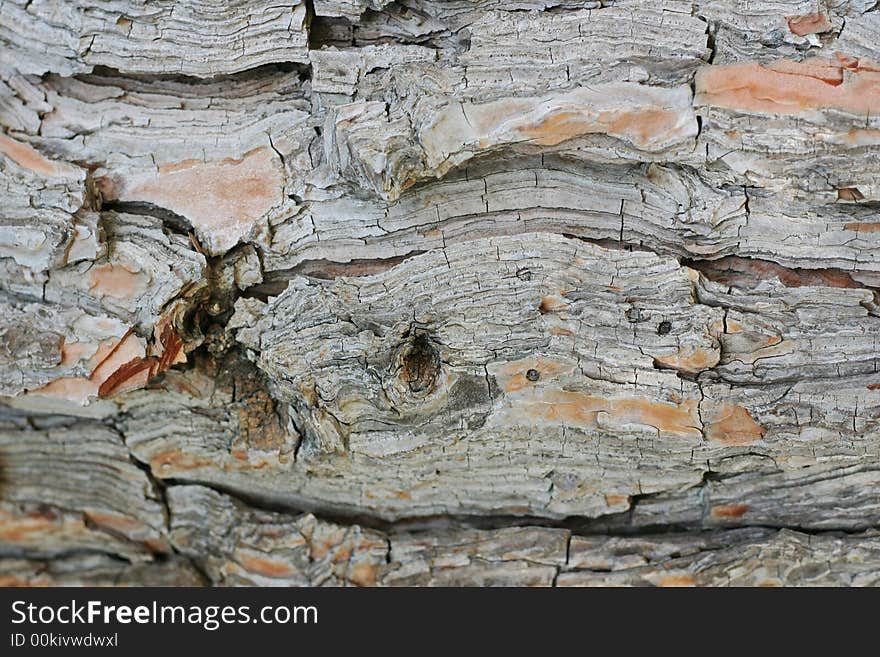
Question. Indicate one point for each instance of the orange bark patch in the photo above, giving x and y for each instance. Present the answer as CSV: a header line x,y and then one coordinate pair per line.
x,y
670,418
11,581
513,376
809,24
180,166
581,410
177,459
613,500
342,554
560,127
22,529
677,580
691,360
640,127
73,352
267,567
76,389
363,574
791,88
730,424
729,510
116,281
319,549
733,326
222,199
115,523
863,227
27,157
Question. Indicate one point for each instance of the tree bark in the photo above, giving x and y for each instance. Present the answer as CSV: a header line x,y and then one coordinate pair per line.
x,y
359,292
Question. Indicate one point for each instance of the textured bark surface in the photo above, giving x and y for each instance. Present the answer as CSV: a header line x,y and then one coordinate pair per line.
x,y
423,292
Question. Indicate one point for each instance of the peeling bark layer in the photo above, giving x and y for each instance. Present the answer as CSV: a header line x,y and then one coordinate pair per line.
x,y
360,292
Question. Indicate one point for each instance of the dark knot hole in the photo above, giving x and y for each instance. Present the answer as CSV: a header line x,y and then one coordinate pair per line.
x,y
420,363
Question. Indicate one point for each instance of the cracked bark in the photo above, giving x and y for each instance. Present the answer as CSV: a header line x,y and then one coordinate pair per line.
x,y
355,292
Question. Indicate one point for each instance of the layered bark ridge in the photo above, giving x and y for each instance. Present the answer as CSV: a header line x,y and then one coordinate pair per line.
x,y
369,292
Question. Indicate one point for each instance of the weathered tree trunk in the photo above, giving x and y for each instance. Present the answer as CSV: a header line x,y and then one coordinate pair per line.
x,y
553,292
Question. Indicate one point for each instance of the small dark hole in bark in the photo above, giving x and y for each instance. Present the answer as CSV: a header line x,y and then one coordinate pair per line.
x,y
524,274
533,375
664,327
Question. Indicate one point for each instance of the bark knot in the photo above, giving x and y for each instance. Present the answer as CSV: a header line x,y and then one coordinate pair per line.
x,y
418,363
